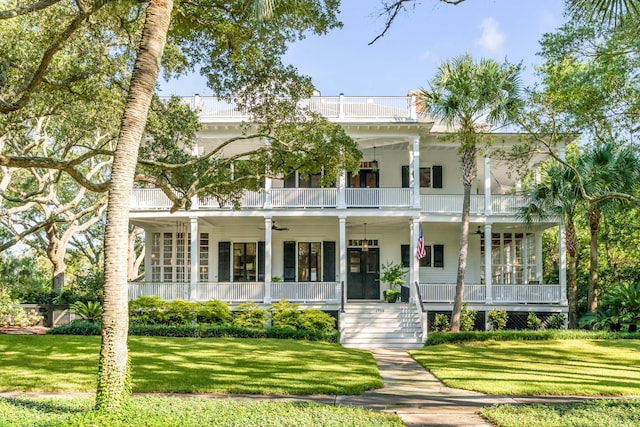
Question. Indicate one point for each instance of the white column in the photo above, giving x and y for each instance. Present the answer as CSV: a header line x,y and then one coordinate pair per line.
x,y
415,264
195,258
487,264
195,200
414,170
342,220
563,264
267,193
342,184
267,260
487,186
538,240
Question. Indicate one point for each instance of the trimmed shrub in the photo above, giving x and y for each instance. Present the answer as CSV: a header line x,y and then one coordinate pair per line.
x,y
181,312
498,319
556,321
213,312
467,318
77,327
249,315
148,310
441,323
533,321
285,315
436,338
316,320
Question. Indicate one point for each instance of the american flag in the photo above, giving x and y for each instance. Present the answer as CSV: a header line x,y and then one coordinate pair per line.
x,y
421,251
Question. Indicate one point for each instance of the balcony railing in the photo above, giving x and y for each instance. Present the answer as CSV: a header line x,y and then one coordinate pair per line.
x,y
306,291
432,292
155,199
371,108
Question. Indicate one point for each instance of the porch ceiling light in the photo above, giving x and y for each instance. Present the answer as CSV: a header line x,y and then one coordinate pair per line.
x,y
365,242
374,162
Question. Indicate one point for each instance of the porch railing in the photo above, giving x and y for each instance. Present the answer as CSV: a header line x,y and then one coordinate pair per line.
x,y
378,108
377,197
304,197
306,291
238,292
249,199
445,292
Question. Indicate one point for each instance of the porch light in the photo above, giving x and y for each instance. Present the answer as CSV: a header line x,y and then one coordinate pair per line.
x,y
365,242
374,162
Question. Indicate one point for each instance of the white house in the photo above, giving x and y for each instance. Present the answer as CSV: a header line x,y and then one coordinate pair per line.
x,y
324,247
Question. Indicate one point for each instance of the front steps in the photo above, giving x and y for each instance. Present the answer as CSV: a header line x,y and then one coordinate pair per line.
x,y
381,325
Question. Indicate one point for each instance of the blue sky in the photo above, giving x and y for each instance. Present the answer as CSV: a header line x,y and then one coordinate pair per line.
x,y
407,57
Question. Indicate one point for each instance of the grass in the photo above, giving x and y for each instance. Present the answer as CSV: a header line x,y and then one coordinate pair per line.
x,y
613,413
165,412
190,365
553,367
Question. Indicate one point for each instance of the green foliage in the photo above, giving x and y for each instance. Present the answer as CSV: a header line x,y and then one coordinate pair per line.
x,y
393,274
213,312
178,411
11,314
91,311
619,310
556,321
26,278
441,323
391,295
180,312
316,320
467,318
148,310
77,327
436,338
533,321
249,315
285,315
498,319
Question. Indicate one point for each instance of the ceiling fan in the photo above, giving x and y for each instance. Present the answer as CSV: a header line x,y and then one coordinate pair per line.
x,y
275,227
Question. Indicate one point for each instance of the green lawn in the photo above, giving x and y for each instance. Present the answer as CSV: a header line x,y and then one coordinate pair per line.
x,y
560,367
171,412
612,413
189,365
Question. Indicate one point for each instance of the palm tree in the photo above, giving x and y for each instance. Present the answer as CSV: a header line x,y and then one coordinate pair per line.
x,y
606,11
472,98
559,196
606,169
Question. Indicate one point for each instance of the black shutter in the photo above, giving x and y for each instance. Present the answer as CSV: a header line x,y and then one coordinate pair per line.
x,y
405,176
261,261
224,261
437,176
289,270
405,255
438,256
328,261
290,180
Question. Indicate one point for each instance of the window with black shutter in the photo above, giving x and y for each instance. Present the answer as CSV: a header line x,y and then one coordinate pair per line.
x,y
289,268
438,256
224,261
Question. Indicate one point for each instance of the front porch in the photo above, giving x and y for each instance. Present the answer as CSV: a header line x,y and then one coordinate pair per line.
x,y
333,292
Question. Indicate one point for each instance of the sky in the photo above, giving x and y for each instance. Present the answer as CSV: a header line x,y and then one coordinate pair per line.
x,y
407,56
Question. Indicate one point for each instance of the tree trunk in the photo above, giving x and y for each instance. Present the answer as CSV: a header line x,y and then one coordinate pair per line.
x,y
594,215
114,388
56,253
468,175
571,240
134,260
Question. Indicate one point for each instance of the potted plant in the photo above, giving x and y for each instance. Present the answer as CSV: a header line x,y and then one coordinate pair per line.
x,y
393,275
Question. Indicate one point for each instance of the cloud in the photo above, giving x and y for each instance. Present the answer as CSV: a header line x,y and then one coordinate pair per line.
x,y
492,39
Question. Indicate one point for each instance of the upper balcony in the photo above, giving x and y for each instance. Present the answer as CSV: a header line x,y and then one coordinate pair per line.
x,y
153,199
335,108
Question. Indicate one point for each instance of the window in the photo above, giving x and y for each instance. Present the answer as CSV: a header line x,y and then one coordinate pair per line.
x,y
434,256
430,177
167,257
309,261
155,257
297,180
244,262
204,257
513,259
